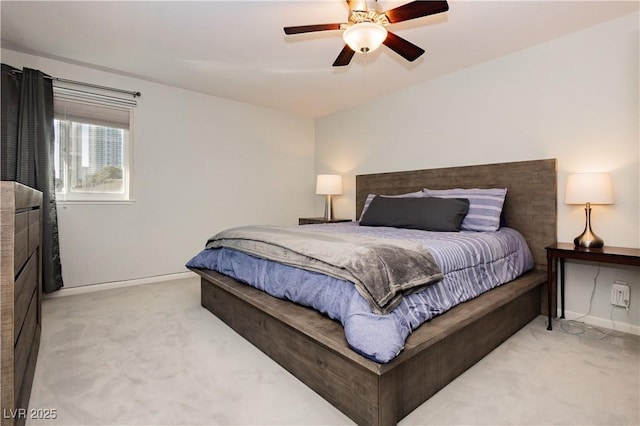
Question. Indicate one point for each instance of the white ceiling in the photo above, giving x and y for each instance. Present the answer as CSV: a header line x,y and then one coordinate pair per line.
x,y
238,50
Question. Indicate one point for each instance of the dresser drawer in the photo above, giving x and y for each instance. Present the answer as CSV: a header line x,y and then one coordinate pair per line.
x,y
34,230
25,342
24,288
21,241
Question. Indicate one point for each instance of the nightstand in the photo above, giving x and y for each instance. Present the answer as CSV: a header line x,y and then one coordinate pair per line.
x,y
314,220
562,251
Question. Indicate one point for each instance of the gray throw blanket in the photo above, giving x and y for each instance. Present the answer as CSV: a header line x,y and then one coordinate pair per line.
x,y
382,269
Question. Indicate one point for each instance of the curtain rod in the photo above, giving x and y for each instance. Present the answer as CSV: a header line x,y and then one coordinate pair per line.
x,y
81,83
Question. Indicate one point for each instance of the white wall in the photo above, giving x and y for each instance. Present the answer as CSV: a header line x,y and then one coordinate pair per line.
x,y
574,99
200,164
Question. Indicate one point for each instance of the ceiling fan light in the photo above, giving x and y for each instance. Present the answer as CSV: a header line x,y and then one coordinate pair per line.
x,y
365,36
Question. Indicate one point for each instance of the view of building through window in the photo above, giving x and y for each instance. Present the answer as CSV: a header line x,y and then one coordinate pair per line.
x,y
91,155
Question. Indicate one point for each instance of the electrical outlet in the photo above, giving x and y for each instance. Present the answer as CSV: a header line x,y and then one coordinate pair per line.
x,y
620,294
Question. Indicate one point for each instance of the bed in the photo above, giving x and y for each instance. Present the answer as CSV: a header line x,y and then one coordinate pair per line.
x,y
314,349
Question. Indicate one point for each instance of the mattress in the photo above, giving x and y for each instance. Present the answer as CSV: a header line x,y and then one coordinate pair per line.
x,y
471,262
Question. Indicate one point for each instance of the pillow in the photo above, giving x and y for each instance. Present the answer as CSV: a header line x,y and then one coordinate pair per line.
x,y
485,206
408,195
426,213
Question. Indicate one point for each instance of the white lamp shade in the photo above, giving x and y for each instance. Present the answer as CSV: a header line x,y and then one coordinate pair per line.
x,y
594,188
329,185
365,36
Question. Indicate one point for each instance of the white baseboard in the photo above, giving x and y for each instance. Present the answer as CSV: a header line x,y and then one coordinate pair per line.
x,y
603,322
118,284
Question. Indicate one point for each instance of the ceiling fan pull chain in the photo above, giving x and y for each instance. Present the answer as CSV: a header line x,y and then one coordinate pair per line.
x,y
364,72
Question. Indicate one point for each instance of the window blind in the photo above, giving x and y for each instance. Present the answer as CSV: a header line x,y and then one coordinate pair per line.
x,y
92,108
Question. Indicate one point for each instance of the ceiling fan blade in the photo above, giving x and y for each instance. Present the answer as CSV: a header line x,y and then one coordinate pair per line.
x,y
344,57
416,9
402,47
311,28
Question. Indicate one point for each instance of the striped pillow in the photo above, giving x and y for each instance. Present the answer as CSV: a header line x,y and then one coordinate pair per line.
x,y
485,206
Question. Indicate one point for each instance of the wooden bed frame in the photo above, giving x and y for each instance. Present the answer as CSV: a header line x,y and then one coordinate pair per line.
x,y
313,347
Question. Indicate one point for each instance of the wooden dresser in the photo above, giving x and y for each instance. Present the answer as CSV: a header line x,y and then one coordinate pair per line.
x,y
20,297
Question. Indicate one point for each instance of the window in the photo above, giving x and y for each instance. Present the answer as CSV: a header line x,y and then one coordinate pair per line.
x,y
92,147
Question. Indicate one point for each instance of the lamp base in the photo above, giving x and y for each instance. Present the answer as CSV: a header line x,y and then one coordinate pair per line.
x,y
328,209
588,239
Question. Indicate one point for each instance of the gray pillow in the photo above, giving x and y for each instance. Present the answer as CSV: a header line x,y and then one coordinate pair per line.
x,y
408,195
426,213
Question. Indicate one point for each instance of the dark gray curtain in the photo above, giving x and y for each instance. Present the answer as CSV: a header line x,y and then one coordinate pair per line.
x,y
27,154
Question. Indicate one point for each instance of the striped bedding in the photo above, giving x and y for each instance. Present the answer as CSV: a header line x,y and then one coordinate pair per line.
x,y
472,263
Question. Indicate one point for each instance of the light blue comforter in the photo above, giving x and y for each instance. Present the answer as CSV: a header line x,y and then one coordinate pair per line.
x,y
472,263
381,269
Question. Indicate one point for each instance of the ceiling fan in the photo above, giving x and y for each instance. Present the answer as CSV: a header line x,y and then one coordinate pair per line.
x,y
365,31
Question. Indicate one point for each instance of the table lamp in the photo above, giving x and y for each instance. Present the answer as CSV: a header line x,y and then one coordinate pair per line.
x,y
328,185
587,189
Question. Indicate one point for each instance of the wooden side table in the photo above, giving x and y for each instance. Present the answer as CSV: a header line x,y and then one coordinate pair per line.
x,y
314,220
562,251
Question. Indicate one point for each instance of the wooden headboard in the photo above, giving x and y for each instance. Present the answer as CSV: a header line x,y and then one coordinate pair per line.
x,y
530,206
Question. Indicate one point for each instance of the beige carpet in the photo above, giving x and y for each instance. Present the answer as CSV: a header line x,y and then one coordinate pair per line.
x,y
151,355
